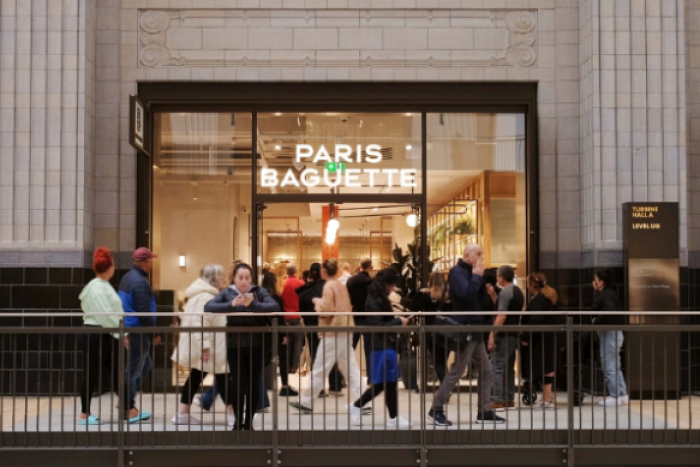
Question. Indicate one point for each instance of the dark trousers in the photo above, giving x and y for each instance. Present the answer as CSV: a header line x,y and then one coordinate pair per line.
x,y
100,363
366,346
435,345
246,369
189,389
287,352
334,376
391,397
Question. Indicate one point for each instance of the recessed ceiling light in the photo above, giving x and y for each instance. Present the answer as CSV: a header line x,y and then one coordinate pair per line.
x,y
278,114
409,147
409,114
277,147
194,199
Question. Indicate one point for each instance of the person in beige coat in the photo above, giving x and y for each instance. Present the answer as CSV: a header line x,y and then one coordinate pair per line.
x,y
203,352
335,347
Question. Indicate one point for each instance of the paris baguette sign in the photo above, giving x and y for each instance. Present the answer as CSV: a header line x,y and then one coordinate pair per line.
x,y
335,172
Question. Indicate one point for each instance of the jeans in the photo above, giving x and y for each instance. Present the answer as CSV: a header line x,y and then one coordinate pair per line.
x,y
502,367
610,345
209,396
139,365
473,350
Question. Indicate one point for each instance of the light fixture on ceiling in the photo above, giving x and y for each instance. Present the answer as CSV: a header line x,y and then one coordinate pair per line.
x,y
298,121
408,147
360,123
194,199
412,220
277,147
332,227
182,261
277,114
409,114
155,166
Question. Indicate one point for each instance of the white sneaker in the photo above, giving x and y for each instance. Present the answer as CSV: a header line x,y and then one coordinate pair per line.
x,y
230,419
355,415
546,405
610,401
624,400
185,419
398,422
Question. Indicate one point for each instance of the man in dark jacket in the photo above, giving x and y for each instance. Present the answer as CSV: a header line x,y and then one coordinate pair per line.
x,y
468,293
137,297
357,288
307,292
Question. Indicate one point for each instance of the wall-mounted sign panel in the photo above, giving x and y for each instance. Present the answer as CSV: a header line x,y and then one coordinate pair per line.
x,y
138,120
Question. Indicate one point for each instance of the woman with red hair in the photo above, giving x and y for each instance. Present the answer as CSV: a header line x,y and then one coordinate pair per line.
x,y
103,309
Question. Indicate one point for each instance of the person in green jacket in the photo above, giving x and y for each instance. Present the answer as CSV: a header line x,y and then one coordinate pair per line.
x,y
103,309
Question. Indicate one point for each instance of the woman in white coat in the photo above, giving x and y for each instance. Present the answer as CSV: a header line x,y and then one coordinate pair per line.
x,y
202,352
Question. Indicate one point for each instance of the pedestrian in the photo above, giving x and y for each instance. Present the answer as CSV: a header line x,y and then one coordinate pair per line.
x,y
137,297
345,273
434,298
607,303
358,286
314,289
203,352
541,346
468,293
245,353
385,364
103,309
290,354
502,345
335,346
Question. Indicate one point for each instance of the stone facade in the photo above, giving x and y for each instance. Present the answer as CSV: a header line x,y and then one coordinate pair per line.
x,y
618,99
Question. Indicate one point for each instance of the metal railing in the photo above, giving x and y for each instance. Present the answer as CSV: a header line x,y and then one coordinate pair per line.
x,y
48,375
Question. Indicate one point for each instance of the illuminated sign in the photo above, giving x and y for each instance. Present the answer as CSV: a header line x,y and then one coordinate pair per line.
x,y
338,170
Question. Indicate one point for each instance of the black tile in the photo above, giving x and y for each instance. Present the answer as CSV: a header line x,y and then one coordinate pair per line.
x,y
12,276
88,275
78,276
69,296
5,293
60,275
36,276
35,296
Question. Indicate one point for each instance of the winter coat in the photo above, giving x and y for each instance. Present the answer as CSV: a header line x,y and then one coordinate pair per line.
x,y
379,304
467,293
189,350
357,288
137,297
307,293
608,303
335,299
262,303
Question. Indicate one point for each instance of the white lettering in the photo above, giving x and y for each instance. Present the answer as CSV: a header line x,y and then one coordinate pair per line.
x,y
322,155
371,173
289,179
343,151
390,176
408,177
268,177
312,180
359,153
305,151
351,179
338,179
373,154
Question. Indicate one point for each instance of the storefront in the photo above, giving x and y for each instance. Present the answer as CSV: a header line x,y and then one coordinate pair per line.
x,y
392,164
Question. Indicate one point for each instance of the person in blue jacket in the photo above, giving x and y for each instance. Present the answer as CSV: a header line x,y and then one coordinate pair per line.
x,y
468,293
137,297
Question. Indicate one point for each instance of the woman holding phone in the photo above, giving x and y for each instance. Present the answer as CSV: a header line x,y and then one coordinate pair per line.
x,y
246,358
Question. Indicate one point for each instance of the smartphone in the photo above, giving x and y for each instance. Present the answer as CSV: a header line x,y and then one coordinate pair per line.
x,y
249,296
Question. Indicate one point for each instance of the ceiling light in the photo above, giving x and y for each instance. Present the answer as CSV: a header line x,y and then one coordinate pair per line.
x,y
333,224
373,210
412,220
278,114
360,123
409,147
277,147
194,199
409,114
155,166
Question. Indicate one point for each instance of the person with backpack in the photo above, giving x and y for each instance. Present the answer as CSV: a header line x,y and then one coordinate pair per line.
x,y
385,365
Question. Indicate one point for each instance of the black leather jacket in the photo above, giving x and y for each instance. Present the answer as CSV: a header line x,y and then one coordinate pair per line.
x,y
381,340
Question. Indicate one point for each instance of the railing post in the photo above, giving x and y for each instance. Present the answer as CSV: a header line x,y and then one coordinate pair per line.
x,y
423,378
121,383
569,458
275,402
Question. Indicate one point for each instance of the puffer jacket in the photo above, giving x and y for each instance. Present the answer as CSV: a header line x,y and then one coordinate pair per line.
x,y
262,303
189,349
137,297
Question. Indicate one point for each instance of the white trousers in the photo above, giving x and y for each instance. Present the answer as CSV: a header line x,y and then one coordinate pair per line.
x,y
331,350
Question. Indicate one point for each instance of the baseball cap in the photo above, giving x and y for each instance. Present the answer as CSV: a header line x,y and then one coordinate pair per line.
x,y
143,253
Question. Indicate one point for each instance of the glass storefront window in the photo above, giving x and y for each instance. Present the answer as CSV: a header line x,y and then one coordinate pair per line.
x,y
476,188
341,152
201,194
